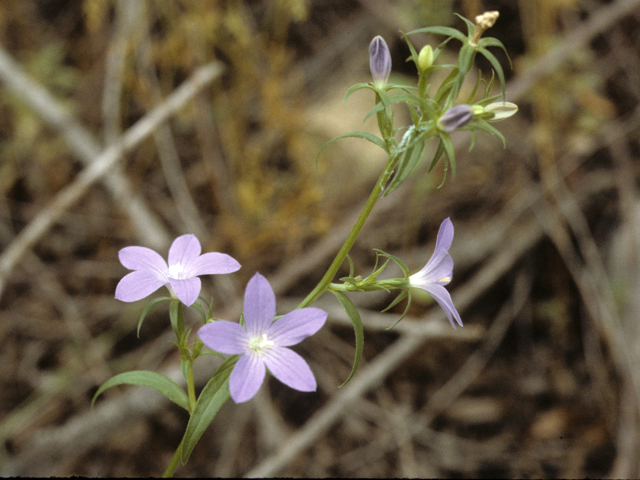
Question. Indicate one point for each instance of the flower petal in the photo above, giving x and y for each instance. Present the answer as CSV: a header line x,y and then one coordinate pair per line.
x,y
213,263
247,377
143,258
184,250
438,267
441,295
259,306
295,326
225,337
290,368
445,235
136,285
187,289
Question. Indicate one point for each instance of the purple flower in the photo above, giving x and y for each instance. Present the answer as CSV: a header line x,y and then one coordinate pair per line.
x,y
262,342
437,273
379,61
455,117
181,274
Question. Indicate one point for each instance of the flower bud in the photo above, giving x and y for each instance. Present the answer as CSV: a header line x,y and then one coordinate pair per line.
x,y
425,58
501,110
379,61
478,110
455,117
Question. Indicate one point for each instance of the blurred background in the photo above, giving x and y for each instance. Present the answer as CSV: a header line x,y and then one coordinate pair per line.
x,y
542,381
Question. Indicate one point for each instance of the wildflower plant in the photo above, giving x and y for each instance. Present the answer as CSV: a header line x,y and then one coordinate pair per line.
x,y
259,342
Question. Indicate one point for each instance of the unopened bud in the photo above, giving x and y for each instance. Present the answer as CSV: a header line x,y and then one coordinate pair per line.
x,y
425,58
456,117
477,110
379,61
501,110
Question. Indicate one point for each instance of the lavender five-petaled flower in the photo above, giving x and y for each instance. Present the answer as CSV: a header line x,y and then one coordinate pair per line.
x,y
455,117
181,274
262,342
437,273
379,61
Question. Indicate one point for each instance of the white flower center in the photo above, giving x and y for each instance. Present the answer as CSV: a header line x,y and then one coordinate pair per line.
x,y
177,271
260,344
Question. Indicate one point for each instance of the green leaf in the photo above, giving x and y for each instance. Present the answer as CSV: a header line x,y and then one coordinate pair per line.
x,y
436,156
395,302
410,99
365,135
465,62
213,396
354,316
485,126
471,27
449,151
414,54
144,378
446,85
175,315
407,163
398,261
358,86
496,66
352,269
494,42
486,101
200,310
378,107
146,310
451,32
475,88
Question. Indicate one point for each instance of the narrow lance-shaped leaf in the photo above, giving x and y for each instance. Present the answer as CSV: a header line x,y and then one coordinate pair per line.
x,y
471,27
200,310
365,135
175,317
451,32
144,378
356,321
449,151
496,66
146,310
487,127
436,156
397,300
446,85
356,87
213,396
407,164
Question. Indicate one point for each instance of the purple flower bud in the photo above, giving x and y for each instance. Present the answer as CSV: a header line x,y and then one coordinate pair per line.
x,y
379,61
456,117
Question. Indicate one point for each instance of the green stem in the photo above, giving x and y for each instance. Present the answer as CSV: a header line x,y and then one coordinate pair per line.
x,y
355,231
190,387
175,460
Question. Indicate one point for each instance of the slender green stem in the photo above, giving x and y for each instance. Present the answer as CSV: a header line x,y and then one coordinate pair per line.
x,y
175,460
190,387
355,231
